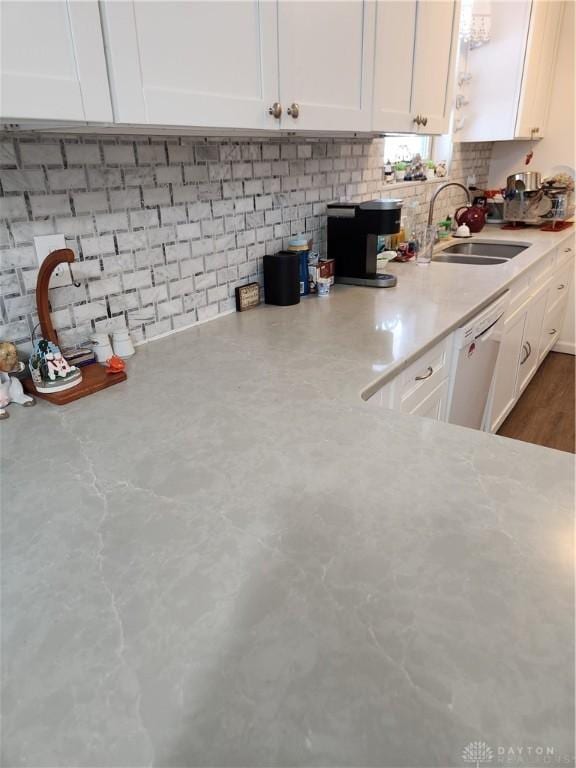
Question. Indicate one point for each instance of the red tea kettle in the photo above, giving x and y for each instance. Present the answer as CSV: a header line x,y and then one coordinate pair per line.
x,y
473,216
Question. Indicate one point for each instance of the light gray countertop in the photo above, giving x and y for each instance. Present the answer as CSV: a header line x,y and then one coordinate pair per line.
x,y
232,560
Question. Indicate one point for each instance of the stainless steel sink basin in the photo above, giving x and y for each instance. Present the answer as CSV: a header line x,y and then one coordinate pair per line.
x,y
456,258
501,250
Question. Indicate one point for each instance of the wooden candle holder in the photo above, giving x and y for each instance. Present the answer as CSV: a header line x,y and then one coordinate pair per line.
x,y
94,376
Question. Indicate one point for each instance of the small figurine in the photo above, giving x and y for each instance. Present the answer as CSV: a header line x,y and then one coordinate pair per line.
x,y
8,357
441,169
115,364
11,392
50,370
416,169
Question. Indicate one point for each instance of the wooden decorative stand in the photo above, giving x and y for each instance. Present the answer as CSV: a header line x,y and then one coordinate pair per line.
x,y
94,376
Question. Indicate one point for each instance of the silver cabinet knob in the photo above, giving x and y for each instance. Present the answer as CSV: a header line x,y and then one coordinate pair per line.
x,y
429,372
567,250
276,110
293,110
424,121
417,120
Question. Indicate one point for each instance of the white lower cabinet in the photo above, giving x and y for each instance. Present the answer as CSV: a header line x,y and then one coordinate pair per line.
x,y
503,394
434,405
529,358
422,388
529,333
535,315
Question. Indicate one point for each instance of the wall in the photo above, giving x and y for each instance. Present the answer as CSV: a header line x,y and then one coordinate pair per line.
x,y
165,228
557,149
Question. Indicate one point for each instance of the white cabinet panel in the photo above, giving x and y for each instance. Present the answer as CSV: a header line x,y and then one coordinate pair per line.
x,y
202,63
538,69
512,75
52,61
326,53
433,54
504,386
434,405
393,57
529,359
416,44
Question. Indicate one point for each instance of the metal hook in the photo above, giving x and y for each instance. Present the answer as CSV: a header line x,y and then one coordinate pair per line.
x,y
75,283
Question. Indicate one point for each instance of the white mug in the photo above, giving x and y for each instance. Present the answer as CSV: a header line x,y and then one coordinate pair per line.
x,y
102,347
122,342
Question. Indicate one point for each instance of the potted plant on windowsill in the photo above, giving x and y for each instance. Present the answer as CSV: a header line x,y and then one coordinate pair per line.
x,y
430,169
400,170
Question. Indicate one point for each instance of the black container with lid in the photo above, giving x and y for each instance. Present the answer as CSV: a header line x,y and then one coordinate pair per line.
x,y
282,278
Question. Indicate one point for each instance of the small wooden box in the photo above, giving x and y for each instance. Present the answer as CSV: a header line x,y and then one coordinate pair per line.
x,y
247,296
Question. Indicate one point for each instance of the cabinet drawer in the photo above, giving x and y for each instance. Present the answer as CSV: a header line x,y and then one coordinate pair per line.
x,y
566,252
552,326
424,375
559,285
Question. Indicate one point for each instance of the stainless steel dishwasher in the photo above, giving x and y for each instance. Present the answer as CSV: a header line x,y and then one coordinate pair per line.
x,y
476,350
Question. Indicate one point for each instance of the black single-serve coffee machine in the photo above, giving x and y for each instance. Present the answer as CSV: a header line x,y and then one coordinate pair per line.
x,y
353,232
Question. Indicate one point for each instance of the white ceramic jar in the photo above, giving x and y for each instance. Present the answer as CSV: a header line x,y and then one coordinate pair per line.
x,y
122,343
102,347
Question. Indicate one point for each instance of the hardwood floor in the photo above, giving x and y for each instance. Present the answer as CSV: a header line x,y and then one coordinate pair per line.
x,y
545,414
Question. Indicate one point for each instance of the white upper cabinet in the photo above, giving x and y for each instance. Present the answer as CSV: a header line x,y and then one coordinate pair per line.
x,y
537,78
434,52
511,75
52,62
326,52
416,45
201,63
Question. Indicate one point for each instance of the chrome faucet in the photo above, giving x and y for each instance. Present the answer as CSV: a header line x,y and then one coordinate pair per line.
x,y
441,189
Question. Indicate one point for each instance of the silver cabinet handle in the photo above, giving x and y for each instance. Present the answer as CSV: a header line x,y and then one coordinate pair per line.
x,y
275,110
429,372
424,121
552,332
567,250
293,110
561,286
529,346
417,120
526,355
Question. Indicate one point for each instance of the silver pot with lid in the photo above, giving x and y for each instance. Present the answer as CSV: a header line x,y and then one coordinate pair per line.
x,y
524,181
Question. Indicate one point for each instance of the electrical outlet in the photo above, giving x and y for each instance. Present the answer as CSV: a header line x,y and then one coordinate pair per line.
x,y
44,246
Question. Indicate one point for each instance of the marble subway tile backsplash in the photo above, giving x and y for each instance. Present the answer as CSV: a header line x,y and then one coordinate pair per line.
x,y
164,229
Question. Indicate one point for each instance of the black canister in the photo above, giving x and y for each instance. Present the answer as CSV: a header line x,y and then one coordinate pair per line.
x,y
282,278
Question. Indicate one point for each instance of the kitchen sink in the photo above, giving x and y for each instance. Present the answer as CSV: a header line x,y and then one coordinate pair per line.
x,y
502,250
456,258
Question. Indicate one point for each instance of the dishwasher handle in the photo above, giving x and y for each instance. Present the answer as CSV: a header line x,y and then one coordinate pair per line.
x,y
486,332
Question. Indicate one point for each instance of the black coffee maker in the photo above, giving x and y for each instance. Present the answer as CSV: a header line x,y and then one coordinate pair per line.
x,y
353,233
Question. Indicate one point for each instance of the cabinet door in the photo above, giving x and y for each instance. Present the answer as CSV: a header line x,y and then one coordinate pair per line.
x,y
434,53
201,63
326,60
552,325
393,60
434,405
529,359
539,62
52,62
504,386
